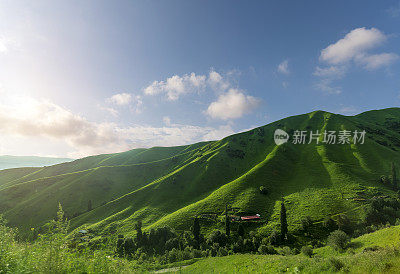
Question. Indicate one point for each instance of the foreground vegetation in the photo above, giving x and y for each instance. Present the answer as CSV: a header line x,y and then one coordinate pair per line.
x,y
375,252
56,251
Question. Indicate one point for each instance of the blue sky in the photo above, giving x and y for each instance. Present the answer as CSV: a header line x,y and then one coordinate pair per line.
x,y
87,77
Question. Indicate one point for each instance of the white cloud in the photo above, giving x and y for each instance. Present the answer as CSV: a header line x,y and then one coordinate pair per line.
x,y
7,44
325,85
176,86
3,48
331,71
42,118
356,42
375,61
231,105
284,67
348,110
217,82
135,102
111,111
31,118
354,47
120,99
219,133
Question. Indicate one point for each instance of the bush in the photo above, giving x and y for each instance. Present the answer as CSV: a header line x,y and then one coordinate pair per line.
x,y
338,240
306,250
266,249
286,251
344,224
222,252
248,245
306,224
336,264
197,253
329,224
274,238
263,190
217,237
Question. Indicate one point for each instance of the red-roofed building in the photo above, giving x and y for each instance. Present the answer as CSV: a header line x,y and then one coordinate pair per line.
x,y
251,218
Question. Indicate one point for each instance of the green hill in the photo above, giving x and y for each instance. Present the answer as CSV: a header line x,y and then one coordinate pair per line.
x,y
169,186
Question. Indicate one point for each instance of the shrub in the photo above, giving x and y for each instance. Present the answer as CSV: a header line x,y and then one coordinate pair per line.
x,y
329,224
263,190
306,223
371,249
172,255
222,252
338,240
266,249
240,230
286,251
306,250
172,243
336,264
217,237
197,253
237,248
248,245
344,224
274,238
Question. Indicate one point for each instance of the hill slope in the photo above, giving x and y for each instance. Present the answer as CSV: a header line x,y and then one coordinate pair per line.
x,y
168,186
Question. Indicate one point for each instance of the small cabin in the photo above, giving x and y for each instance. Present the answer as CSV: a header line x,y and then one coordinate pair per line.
x,y
251,218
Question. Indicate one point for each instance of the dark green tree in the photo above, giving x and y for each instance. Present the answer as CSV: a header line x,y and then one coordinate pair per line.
x,y
196,230
394,176
338,240
344,224
139,234
284,225
89,205
227,222
263,190
120,245
240,230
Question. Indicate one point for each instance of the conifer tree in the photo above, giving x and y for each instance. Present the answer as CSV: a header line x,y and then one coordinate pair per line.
x,y
284,225
196,229
240,230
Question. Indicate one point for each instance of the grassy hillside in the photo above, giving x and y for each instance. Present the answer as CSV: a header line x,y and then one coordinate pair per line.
x,y
169,186
356,260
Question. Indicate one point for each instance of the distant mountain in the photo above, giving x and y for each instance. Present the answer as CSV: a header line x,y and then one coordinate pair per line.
x,y
170,185
8,161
